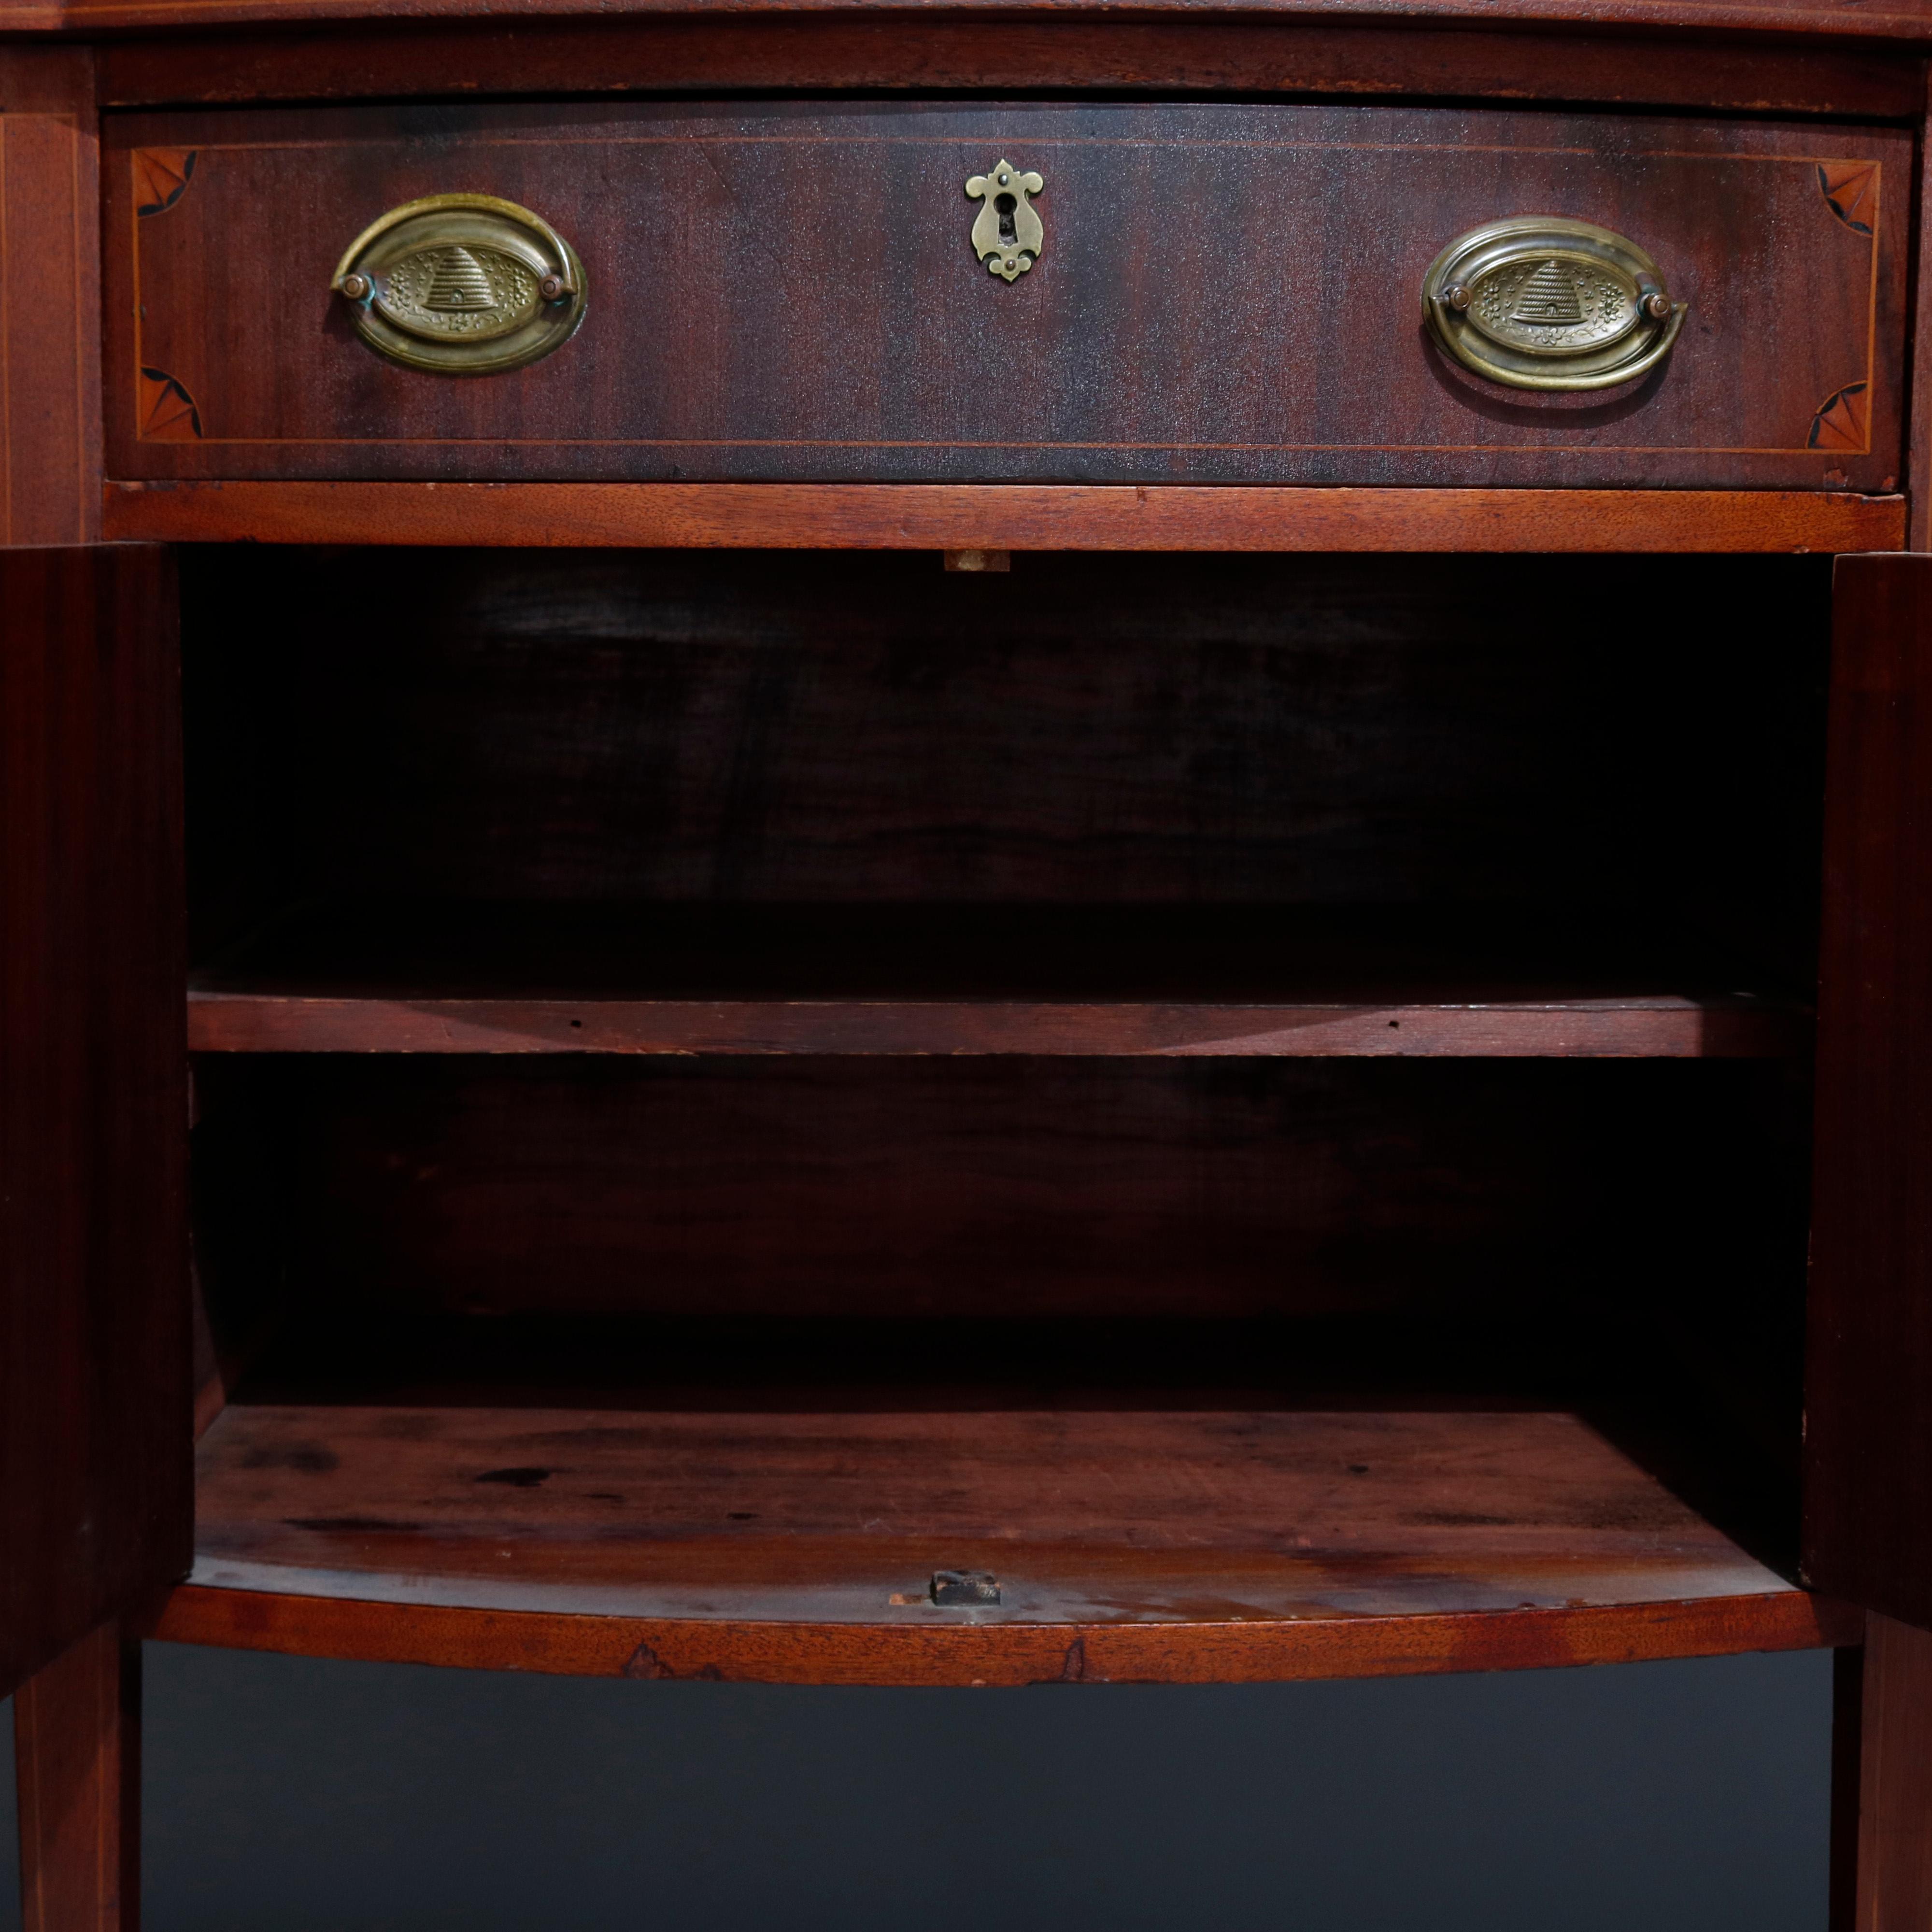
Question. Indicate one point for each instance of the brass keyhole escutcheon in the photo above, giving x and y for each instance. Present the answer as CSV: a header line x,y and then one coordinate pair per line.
x,y
1006,233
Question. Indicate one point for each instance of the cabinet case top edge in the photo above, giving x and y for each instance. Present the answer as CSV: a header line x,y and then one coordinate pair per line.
x,y
1909,21
890,50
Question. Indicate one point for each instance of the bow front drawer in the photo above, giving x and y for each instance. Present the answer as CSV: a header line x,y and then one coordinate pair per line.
x,y
970,292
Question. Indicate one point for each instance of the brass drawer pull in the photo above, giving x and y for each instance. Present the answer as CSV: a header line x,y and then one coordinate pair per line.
x,y
462,285
1547,302
1007,235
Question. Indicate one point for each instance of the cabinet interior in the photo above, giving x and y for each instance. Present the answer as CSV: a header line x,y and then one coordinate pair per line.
x,y
1219,1080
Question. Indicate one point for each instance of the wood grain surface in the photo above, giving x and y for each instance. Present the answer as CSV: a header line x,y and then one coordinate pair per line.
x,y
907,52
1868,1496
1275,338
1919,463
50,297
1236,1651
800,1548
272,1022
77,1757
1037,517
1847,1771
1906,20
340,976
1891,1878
95,1477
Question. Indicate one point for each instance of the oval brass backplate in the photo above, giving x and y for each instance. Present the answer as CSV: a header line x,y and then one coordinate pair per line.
x,y
462,285
1549,302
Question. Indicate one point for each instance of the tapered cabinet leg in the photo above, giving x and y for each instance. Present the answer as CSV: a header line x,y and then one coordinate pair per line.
x,y
1848,1711
1890,1889
77,1749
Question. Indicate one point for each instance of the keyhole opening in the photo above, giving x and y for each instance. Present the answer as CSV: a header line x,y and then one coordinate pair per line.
x,y
1004,206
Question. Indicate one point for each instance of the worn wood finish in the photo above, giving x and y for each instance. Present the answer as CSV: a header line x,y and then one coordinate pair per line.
x,y
1906,20
1219,1546
1277,341
1039,516
1235,1651
1868,1500
907,52
94,1363
1893,1870
50,297
77,1756
270,1022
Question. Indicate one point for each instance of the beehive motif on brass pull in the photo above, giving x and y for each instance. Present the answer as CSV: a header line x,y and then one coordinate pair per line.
x,y
1549,296
474,294
462,285
457,281
1550,302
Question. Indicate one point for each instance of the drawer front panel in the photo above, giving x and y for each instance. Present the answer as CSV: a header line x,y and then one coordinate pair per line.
x,y
791,290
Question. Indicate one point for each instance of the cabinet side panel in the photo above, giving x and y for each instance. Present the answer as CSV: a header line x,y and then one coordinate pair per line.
x,y
95,1496
50,297
1868,1499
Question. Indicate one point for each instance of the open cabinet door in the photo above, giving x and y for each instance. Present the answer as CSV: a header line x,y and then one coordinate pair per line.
x,y
1868,1395
96,1493
1868,1373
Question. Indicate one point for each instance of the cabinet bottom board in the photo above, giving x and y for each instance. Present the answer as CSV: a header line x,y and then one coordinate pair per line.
x,y
1128,1545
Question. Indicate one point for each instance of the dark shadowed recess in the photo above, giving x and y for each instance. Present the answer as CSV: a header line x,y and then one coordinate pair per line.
x,y
1632,744
435,769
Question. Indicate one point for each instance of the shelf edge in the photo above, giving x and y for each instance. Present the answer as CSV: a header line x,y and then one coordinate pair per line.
x,y
571,1644
242,1022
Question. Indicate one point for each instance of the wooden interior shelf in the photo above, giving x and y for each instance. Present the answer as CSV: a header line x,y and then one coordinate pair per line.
x,y
1212,981
785,1544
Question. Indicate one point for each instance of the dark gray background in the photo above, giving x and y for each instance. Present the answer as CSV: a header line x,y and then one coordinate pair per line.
x,y
292,1794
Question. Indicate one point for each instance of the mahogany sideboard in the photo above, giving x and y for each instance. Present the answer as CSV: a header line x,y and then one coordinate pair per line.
x,y
964,843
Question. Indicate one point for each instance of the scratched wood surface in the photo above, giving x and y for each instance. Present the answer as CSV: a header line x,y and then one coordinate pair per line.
x,y
1243,1652
1245,1544
809,306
